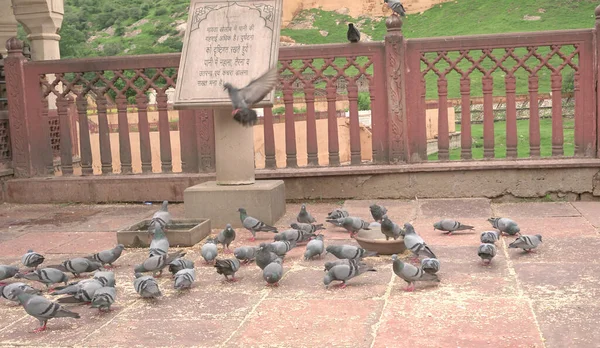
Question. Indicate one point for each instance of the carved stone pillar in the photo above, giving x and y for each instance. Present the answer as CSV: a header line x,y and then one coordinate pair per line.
x,y
42,20
8,25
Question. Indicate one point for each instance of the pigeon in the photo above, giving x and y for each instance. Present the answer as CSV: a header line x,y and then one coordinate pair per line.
x,y
344,273
396,6
41,308
314,247
84,294
410,273
228,267
226,237
246,254
104,298
8,271
505,225
489,237
304,216
209,250
281,248
160,243
295,235
353,33
526,242
307,228
430,265
273,272
414,243
146,286
337,213
450,226
105,278
243,99
6,289
161,218
487,252
264,256
78,265
349,252
46,276
377,212
390,229
157,263
355,263
352,224
107,256
32,259
179,264
254,225
184,278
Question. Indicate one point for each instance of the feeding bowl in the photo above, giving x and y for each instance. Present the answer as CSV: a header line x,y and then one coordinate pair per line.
x,y
181,232
374,240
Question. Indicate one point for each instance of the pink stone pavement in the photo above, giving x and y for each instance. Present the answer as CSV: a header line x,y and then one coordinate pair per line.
x,y
543,299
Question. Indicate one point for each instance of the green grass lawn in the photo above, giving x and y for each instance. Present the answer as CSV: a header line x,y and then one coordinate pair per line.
x,y
522,139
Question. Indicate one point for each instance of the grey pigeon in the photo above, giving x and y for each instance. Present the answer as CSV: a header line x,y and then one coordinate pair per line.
x,y
526,242
209,250
156,264
146,286
430,265
486,252
377,212
304,216
159,244
410,273
450,226
161,218
396,6
344,273
280,248
273,272
314,247
307,228
349,252
490,237
243,99
245,254
228,267
353,34
264,256
41,308
337,221
226,236
46,276
295,235
184,278
8,271
254,225
104,298
179,264
77,266
84,294
337,213
505,225
416,244
352,224
348,262
108,257
6,290
32,259
390,229
105,278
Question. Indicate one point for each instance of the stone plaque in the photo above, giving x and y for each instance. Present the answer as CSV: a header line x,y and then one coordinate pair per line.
x,y
226,41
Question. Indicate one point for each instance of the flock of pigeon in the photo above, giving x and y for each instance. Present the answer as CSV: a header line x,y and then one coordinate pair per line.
x,y
100,291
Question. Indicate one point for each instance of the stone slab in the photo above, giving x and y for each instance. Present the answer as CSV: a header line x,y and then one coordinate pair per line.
x,y
136,235
535,209
565,325
264,200
455,208
590,211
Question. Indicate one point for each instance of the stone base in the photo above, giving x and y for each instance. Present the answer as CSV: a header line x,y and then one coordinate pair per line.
x,y
264,200
181,233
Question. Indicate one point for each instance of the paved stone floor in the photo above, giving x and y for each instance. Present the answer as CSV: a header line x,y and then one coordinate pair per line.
x,y
546,299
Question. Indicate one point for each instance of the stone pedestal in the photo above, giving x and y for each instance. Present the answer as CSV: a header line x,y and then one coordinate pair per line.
x,y
264,200
234,150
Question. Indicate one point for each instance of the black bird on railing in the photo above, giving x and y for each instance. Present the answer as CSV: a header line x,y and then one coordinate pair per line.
x,y
353,33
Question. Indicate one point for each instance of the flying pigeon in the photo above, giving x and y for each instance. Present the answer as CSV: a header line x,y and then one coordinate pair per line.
x,y
179,264
161,218
415,243
228,267
184,278
254,225
410,273
526,242
225,237
450,226
490,237
304,216
246,254
8,271
353,33
396,6
273,272
32,259
146,286
344,273
209,250
348,262
377,212
107,256
314,247
349,252
104,298
41,308
6,289
486,252
243,99
430,265
390,229
46,276
505,225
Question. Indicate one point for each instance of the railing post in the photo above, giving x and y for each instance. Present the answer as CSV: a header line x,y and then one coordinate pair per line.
x,y
597,70
394,62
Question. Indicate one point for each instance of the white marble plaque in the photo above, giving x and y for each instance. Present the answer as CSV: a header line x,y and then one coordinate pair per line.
x,y
226,41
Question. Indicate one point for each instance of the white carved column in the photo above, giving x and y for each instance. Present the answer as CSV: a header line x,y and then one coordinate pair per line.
x,y
8,24
42,20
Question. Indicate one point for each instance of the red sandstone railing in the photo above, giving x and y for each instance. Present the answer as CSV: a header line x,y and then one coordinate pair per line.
x,y
49,103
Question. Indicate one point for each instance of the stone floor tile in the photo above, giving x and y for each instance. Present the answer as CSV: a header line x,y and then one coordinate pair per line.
x,y
568,325
535,209
87,243
455,208
40,242
590,211
564,227
575,249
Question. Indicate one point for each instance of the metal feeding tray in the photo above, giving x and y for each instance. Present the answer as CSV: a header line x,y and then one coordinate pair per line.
x,y
181,232
374,240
